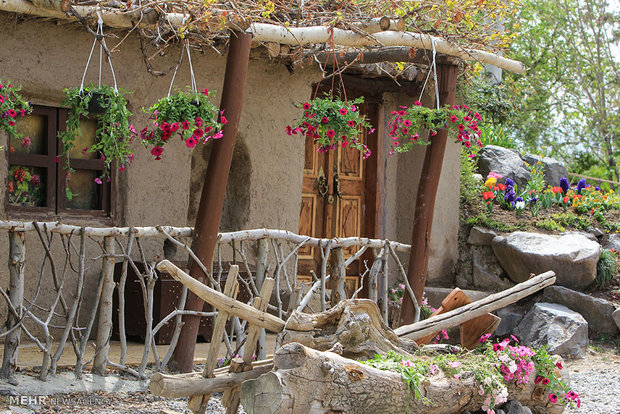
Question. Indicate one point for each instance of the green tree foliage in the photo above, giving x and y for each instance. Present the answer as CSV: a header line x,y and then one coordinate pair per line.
x,y
569,98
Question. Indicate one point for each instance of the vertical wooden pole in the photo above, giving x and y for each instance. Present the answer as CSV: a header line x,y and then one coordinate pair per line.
x,y
339,273
17,261
214,190
104,325
427,192
261,268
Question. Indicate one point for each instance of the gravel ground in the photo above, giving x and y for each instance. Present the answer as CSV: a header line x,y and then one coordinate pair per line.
x,y
596,378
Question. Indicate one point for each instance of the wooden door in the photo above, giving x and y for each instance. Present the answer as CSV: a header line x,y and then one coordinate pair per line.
x,y
334,201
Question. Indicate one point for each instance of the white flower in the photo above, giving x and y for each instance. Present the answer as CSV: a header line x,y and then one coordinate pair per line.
x,y
520,205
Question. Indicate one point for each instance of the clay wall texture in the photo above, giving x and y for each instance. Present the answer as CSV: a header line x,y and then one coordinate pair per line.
x,y
265,183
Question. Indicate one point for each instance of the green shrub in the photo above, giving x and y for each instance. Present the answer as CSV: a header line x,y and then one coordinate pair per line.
x,y
470,186
549,224
606,268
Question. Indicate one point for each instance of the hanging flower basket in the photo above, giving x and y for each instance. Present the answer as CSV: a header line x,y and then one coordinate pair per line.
x,y
406,126
188,115
12,107
114,132
332,122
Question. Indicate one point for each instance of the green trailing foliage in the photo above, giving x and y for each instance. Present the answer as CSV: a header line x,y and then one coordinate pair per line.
x,y
606,268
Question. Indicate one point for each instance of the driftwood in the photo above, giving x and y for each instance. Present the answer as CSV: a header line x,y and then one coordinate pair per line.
x,y
223,302
476,309
310,381
194,383
353,328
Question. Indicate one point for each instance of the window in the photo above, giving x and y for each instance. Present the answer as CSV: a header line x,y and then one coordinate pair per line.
x,y
38,183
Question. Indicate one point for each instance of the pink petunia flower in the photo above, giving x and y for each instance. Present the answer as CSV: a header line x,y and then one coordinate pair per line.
x,y
417,103
342,111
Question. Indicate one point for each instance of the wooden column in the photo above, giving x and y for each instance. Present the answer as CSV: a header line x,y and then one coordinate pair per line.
x,y
17,261
104,325
427,192
214,190
339,274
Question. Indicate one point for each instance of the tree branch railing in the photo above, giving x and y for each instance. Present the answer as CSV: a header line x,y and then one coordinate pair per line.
x,y
77,261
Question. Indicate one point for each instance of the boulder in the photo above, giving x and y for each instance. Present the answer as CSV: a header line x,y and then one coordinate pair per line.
x,y
479,236
616,317
598,312
613,242
573,257
563,330
554,169
515,407
511,317
487,272
504,161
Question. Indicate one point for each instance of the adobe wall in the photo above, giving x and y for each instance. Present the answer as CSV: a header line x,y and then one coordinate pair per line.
x,y
267,165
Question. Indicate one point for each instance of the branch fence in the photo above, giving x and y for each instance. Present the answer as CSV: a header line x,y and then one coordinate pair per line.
x,y
65,315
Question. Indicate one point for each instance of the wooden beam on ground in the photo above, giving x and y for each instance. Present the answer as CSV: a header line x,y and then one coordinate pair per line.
x,y
214,190
427,193
475,309
223,302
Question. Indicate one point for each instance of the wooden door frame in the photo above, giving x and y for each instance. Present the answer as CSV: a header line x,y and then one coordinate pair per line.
x,y
374,166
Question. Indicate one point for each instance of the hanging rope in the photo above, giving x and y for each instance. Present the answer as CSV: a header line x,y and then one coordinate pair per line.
x,y
99,34
194,85
433,69
335,68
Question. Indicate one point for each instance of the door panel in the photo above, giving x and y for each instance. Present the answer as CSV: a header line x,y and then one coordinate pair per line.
x,y
333,202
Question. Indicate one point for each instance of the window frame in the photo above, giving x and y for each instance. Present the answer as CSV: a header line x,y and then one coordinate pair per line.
x,y
53,163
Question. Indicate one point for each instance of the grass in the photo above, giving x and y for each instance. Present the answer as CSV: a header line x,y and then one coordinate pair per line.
x,y
484,220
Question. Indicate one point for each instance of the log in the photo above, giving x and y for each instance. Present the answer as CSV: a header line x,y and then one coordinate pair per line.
x,y
191,384
223,302
309,381
104,324
354,328
338,275
17,263
475,309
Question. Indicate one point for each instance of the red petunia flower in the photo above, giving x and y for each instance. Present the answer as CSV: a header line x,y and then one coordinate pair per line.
x,y
325,120
198,122
191,142
330,133
351,123
198,133
417,103
559,365
306,106
537,380
157,151
12,113
553,398
545,381
453,118
342,111
185,124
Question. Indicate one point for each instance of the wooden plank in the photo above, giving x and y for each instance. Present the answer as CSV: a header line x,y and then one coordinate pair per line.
x,y
473,310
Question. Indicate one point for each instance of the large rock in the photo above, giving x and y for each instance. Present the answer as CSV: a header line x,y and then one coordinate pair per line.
x,y
613,242
598,312
616,317
511,317
487,273
479,236
553,169
503,161
563,330
572,257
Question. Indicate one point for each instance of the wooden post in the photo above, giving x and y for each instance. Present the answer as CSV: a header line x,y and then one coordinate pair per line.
x,y
425,201
339,274
17,261
104,325
198,403
261,269
214,190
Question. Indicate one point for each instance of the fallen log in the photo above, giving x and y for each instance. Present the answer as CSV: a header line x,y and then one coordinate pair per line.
x,y
190,384
476,309
310,381
354,328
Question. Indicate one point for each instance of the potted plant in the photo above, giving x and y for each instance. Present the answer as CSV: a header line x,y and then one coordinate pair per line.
x,y
114,132
12,107
189,115
331,122
406,125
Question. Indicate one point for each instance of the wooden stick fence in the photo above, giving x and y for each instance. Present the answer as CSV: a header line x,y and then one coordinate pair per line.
x,y
79,260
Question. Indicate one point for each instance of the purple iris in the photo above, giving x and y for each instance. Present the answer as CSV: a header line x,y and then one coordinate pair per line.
x,y
581,184
509,183
509,197
564,185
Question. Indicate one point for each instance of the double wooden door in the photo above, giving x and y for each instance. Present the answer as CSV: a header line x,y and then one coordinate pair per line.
x,y
335,200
